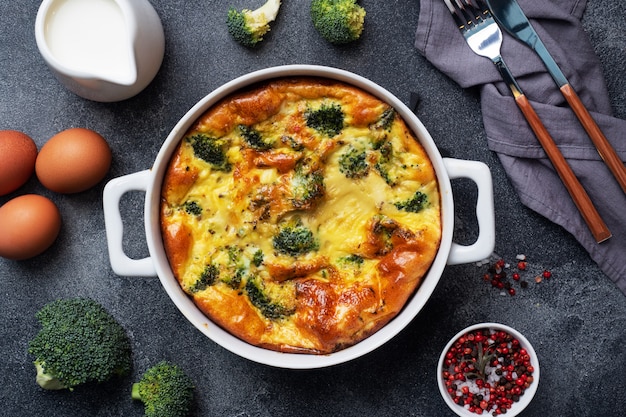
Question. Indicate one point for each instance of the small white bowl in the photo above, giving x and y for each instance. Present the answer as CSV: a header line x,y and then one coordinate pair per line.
x,y
524,399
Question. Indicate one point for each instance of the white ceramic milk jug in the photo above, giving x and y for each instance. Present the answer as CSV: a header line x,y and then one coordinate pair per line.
x,y
102,50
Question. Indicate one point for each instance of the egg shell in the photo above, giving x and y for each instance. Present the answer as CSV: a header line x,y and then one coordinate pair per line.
x,y
18,153
73,160
29,225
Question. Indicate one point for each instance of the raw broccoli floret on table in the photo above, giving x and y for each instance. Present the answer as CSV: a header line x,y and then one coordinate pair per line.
x,y
338,21
79,342
249,26
165,390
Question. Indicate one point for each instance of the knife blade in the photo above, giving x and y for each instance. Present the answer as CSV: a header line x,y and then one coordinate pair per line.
x,y
511,17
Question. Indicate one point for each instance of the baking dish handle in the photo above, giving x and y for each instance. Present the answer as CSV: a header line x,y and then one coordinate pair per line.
x,y
484,245
113,191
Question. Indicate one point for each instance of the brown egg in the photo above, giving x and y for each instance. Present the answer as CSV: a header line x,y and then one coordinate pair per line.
x,y
29,225
17,160
73,160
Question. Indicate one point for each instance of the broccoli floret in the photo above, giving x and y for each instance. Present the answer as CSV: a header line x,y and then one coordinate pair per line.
x,y
165,390
236,267
328,119
414,204
307,185
351,259
353,163
228,265
208,277
257,293
307,188
295,239
292,143
249,26
383,229
338,21
254,139
79,342
257,258
210,150
384,164
386,119
193,208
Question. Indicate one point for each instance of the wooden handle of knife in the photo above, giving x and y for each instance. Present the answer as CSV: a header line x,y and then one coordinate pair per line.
x,y
588,211
603,146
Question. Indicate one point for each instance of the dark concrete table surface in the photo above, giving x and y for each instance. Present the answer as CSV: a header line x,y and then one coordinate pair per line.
x,y
575,320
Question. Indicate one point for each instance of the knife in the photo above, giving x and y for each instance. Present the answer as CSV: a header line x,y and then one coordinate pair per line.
x,y
511,17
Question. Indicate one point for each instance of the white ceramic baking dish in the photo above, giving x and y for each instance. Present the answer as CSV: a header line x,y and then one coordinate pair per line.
x,y
157,264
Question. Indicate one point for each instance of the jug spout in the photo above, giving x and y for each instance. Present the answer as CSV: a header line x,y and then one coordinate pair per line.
x,y
96,47
122,72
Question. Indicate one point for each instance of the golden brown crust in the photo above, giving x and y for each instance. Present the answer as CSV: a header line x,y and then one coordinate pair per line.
x,y
370,253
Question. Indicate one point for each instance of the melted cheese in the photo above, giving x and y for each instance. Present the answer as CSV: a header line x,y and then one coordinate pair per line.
x,y
369,255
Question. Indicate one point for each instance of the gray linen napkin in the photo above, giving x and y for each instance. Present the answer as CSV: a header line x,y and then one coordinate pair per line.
x,y
531,173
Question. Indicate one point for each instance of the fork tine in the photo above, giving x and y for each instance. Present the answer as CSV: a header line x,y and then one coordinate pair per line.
x,y
467,15
481,5
456,14
477,9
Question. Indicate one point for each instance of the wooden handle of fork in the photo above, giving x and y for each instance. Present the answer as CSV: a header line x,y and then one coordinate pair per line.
x,y
588,211
603,146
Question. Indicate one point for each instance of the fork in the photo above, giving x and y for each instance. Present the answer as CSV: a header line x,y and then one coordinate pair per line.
x,y
484,37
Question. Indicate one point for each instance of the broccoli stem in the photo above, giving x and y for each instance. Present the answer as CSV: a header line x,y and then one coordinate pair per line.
x,y
268,11
47,381
134,392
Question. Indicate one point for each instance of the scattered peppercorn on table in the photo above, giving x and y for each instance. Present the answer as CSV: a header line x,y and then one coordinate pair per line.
x,y
540,281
